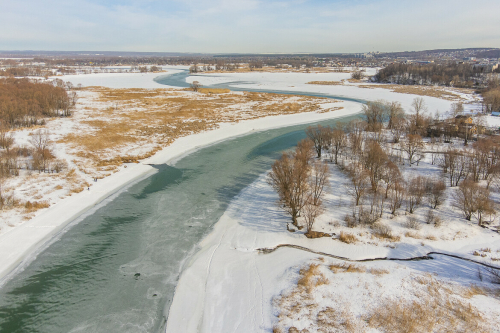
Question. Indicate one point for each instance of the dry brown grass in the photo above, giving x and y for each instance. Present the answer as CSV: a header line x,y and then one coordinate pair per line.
x,y
412,234
437,92
472,291
431,237
336,320
31,207
327,83
311,277
347,268
150,119
436,309
378,271
347,238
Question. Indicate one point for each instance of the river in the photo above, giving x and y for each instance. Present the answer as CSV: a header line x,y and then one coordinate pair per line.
x,y
116,270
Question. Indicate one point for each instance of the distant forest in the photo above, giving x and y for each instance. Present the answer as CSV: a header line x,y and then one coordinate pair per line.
x,y
448,74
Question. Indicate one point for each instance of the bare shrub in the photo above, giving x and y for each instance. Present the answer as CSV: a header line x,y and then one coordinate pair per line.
x,y
412,223
397,194
347,238
432,218
472,199
435,192
415,194
357,75
383,231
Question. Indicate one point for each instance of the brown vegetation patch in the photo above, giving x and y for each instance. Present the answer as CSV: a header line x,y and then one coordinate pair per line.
x,y
347,237
326,83
384,232
316,234
35,205
149,119
347,268
436,309
311,277
416,90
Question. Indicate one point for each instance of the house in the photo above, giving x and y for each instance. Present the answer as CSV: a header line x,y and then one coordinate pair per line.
x,y
463,119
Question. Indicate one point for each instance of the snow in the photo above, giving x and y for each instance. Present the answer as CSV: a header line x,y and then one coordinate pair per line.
x,y
228,286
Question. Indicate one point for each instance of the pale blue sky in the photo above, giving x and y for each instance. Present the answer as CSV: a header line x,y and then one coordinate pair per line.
x,y
240,26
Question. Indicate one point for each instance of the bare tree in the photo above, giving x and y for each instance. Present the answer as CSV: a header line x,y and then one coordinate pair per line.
x,y
289,178
374,159
398,127
311,212
40,140
390,175
360,181
396,114
318,179
195,86
457,109
419,107
435,192
338,141
397,196
319,135
375,113
412,146
471,198
416,192
356,138
6,139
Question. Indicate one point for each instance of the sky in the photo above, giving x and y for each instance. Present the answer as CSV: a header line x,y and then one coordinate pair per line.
x,y
248,26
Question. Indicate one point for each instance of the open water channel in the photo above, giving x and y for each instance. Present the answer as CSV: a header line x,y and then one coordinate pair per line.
x,y
116,270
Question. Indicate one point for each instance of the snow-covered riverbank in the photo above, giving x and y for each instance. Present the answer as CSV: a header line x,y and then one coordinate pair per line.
x,y
229,285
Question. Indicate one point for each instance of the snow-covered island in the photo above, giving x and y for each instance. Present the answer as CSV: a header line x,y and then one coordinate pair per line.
x,y
255,272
